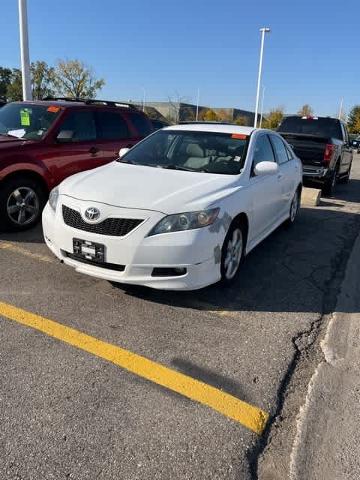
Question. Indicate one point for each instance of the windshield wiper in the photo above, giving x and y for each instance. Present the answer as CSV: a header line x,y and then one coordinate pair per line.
x,y
126,161
178,167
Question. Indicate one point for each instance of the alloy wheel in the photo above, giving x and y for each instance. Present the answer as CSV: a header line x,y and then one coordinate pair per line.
x,y
233,254
23,206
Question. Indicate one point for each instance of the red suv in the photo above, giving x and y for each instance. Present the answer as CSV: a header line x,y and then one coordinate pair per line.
x,y
43,142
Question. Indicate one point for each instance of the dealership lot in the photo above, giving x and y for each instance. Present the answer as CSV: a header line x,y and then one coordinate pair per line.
x,y
66,413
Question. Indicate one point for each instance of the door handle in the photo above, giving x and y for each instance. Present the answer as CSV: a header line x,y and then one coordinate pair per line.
x,y
93,150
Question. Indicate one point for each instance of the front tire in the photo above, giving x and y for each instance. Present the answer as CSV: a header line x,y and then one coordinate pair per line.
x,y
294,208
21,202
232,253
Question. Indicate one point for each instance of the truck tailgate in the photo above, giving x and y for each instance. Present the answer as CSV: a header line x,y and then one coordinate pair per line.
x,y
309,148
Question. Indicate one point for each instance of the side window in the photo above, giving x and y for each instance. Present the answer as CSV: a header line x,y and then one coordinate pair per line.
x,y
82,126
111,126
290,153
141,124
263,151
344,132
280,149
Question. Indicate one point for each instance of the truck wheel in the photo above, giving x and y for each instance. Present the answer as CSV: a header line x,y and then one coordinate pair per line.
x,y
21,202
330,184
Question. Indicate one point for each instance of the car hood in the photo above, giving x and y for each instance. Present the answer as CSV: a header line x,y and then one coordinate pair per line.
x,y
149,188
13,142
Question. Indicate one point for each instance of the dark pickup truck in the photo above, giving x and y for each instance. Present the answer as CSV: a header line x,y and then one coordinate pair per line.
x,y
323,146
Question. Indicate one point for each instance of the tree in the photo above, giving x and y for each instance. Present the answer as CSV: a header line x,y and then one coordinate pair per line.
x,y
72,78
208,115
354,119
224,116
306,111
5,80
14,89
274,118
42,79
241,120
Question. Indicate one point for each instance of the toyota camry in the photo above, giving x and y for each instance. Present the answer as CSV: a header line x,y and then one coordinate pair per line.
x,y
178,211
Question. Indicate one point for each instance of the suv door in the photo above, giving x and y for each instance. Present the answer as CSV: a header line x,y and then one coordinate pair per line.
x,y
75,147
286,175
265,197
113,133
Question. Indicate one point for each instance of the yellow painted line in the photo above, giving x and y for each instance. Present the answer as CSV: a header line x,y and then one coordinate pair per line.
x,y
23,251
248,415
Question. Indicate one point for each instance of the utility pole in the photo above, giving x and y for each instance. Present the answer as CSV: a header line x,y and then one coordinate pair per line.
x,y
197,104
263,31
341,109
24,51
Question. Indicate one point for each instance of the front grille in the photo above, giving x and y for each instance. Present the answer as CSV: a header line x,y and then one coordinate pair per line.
x,y
116,227
108,266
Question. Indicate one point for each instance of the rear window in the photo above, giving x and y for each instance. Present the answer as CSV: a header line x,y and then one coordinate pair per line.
x,y
322,127
111,126
141,123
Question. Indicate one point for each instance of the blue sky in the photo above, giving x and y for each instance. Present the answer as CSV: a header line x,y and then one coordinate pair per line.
x,y
173,47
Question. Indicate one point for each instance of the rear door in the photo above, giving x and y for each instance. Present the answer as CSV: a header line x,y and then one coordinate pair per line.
x,y
113,133
265,196
286,175
79,151
347,153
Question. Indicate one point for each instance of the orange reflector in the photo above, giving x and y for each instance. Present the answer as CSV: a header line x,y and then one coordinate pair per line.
x,y
239,136
53,109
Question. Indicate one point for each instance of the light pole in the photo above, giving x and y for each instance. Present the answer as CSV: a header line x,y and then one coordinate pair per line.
x,y
262,107
341,109
144,99
263,31
24,51
197,104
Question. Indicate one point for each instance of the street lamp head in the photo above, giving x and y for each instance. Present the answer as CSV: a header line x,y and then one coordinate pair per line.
x,y
265,29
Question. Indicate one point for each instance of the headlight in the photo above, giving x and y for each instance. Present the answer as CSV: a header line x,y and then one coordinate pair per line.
x,y
53,198
185,221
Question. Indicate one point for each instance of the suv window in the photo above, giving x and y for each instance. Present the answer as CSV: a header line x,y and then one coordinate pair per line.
x,y
141,123
82,124
280,149
263,151
111,126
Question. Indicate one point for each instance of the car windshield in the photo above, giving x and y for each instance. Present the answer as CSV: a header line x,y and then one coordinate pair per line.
x,y
27,121
191,151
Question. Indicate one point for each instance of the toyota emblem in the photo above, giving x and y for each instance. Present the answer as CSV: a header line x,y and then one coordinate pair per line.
x,y
92,213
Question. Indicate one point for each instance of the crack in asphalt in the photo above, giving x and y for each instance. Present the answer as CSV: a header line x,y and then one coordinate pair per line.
x,y
306,343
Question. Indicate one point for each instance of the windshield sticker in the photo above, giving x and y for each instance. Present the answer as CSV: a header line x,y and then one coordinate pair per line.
x,y
53,109
25,118
239,136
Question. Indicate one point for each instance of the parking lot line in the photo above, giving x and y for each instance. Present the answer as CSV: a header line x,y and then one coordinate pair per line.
x,y
23,251
248,415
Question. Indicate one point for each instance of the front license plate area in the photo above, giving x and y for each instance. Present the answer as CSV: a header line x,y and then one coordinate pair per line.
x,y
91,251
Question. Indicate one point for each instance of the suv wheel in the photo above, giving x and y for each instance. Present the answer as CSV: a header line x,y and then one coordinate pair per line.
x,y
21,202
232,253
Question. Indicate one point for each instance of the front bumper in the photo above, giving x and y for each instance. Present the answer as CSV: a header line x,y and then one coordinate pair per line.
x,y
194,250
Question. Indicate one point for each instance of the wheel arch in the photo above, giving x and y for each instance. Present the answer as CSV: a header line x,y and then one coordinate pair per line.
x,y
27,174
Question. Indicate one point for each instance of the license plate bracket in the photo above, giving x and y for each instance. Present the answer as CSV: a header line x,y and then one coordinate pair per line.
x,y
91,251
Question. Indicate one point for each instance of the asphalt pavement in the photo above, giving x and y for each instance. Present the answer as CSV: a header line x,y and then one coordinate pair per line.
x,y
66,413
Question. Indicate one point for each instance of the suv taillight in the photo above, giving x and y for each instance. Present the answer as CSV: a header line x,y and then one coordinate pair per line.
x,y
328,154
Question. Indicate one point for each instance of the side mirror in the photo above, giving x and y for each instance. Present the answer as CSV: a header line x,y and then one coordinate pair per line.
x,y
266,168
122,151
65,136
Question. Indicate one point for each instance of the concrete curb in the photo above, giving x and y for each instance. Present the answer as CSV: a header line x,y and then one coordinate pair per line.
x,y
310,197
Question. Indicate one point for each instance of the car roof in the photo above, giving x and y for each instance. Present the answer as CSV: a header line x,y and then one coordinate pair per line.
x,y
212,127
79,103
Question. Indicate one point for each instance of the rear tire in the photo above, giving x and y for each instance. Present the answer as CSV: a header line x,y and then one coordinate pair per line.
x,y
232,253
294,208
22,200
346,178
330,184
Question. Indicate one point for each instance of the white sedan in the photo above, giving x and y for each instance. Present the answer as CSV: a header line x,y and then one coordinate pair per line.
x,y
178,211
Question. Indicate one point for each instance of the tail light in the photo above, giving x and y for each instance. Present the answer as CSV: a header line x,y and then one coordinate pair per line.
x,y
328,154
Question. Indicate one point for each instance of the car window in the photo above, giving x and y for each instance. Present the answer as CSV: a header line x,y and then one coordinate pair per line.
x,y
111,126
290,153
82,124
141,123
280,149
263,151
